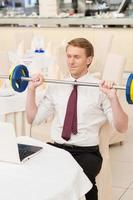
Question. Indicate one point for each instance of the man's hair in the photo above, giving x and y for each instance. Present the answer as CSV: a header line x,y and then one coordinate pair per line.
x,y
82,43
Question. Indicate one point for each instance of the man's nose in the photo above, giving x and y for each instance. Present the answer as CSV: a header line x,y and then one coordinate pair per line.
x,y
71,61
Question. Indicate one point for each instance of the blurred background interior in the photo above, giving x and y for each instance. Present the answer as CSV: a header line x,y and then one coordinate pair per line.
x,y
29,25
86,7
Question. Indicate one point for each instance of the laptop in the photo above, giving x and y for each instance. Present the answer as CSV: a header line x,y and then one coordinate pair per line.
x,y
10,150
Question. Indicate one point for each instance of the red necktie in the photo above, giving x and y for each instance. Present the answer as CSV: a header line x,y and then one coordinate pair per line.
x,y
70,121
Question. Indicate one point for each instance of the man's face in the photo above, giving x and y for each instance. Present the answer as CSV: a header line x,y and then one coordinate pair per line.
x,y
77,61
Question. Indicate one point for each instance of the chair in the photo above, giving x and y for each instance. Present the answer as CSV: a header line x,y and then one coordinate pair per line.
x,y
104,179
18,119
4,62
61,59
113,71
102,49
113,68
107,134
4,66
23,41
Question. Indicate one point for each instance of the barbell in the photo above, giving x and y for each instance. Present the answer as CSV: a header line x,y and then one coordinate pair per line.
x,y
19,78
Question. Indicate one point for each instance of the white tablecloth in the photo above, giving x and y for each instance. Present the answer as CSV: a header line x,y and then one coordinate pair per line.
x,y
53,174
12,109
11,102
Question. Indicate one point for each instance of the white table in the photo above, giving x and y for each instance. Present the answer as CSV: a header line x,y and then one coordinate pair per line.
x,y
53,174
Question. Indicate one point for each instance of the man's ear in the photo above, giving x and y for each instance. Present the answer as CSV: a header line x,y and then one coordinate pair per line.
x,y
89,60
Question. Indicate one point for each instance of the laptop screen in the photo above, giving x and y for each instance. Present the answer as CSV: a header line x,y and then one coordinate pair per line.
x,y
27,150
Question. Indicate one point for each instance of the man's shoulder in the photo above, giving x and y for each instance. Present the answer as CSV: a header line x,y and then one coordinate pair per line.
x,y
92,78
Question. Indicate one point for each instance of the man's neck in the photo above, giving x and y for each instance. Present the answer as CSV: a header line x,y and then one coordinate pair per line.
x,y
80,75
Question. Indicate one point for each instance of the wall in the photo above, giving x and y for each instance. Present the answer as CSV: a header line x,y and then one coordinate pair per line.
x,y
115,40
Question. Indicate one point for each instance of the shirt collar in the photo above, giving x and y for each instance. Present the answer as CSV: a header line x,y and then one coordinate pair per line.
x,y
85,77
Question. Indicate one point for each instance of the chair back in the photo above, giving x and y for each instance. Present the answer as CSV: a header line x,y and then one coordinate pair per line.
x,y
114,67
113,71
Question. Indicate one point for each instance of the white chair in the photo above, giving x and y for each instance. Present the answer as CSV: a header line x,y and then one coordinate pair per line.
x,y
60,54
104,178
4,67
113,71
102,49
114,67
4,63
23,41
18,119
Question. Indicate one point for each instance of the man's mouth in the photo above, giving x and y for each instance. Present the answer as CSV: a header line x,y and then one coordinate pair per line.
x,y
72,67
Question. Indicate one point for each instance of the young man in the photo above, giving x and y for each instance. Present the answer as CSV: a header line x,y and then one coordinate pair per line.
x,y
92,106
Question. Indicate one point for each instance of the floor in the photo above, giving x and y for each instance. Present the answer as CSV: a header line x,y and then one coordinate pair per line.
x,y
122,167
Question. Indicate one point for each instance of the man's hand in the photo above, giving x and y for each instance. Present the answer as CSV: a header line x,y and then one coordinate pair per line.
x,y
107,88
37,80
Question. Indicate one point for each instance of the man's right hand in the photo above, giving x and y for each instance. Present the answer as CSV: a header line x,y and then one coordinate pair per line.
x,y
36,81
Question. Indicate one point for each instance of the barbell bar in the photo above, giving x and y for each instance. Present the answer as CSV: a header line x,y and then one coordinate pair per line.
x,y
73,83
19,79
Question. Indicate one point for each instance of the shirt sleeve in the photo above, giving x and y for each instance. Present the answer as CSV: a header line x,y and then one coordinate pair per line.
x,y
106,107
45,108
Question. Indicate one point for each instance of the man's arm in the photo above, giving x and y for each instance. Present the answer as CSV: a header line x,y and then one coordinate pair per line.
x,y
120,118
31,107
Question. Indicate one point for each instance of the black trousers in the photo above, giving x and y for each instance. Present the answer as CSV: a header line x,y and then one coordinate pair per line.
x,y
89,158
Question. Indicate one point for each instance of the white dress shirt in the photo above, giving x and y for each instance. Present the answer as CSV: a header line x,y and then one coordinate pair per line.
x,y
93,108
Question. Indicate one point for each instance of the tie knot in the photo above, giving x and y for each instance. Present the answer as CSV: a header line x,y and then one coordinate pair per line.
x,y
75,85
